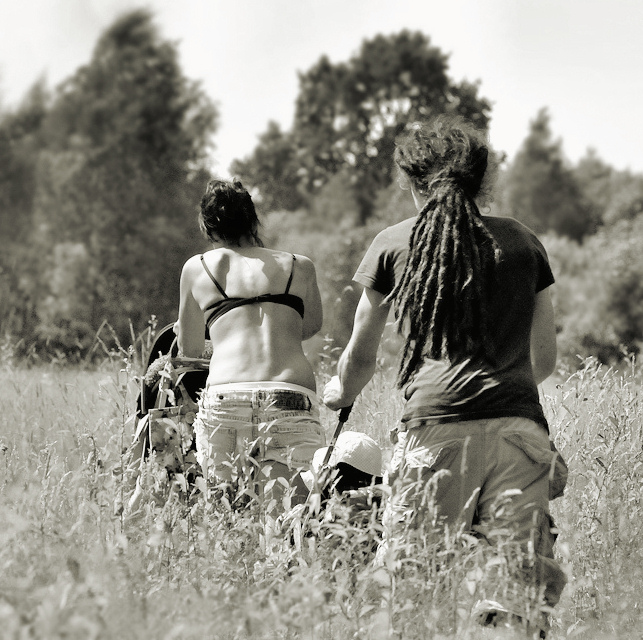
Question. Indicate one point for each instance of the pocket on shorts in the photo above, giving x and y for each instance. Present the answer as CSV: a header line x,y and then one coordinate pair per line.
x,y
215,442
431,466
294,440
546,455
531,446
433,457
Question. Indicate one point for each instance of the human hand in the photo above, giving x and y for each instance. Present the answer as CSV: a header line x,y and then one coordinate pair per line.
x,y
333,395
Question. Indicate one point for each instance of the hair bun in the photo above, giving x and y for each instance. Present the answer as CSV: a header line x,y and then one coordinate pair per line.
x,y
228,213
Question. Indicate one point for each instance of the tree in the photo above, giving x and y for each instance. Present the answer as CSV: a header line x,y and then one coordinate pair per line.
x,y
272,171
613,195
348,114
599,292
21,141
594,179
127,139
626,201
541,191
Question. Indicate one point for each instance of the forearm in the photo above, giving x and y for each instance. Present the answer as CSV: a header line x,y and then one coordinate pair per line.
x,y
191,348
354,374
357,364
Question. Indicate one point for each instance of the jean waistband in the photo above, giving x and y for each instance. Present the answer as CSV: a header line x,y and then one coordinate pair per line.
x,y
271,390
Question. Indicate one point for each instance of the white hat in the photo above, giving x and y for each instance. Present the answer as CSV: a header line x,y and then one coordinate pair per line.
x,y
354,448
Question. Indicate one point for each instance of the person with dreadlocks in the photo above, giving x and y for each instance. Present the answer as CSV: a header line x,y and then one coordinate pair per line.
x,y
471,298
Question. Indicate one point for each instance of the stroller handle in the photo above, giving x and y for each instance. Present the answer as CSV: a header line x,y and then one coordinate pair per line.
x,y
196,363
343,417
182,361
344,412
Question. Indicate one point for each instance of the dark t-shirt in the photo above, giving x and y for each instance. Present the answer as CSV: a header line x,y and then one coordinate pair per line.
x,y
501,384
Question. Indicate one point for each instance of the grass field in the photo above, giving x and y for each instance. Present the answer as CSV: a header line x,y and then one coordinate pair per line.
x,y
72,566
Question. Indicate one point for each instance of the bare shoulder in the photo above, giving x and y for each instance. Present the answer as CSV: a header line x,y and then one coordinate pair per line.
x,y
192,263
305,264
192,267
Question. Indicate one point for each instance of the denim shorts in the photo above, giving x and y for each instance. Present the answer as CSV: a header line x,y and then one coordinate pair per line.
x,y
242,424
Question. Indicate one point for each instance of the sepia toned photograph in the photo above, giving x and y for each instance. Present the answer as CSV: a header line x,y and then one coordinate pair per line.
x,y
321,320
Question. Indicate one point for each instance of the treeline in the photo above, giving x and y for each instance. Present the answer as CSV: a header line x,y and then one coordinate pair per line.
x,y
341,189
98,186
101,178
590,217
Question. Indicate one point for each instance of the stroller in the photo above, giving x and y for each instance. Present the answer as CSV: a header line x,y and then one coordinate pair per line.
x,y
166,408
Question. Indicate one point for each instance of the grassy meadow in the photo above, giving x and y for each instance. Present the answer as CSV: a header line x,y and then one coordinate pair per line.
x,y
74,566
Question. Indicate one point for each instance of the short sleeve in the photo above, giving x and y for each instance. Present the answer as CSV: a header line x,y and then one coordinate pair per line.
x,y
545,276
375,270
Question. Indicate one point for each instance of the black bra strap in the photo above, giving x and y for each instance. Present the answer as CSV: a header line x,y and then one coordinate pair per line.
x,y
291,274
218,286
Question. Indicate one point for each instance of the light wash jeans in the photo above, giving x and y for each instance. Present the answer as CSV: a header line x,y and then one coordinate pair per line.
x,y
477,461
265,421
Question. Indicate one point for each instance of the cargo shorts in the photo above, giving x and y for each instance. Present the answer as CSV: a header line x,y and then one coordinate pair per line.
x,y
475,463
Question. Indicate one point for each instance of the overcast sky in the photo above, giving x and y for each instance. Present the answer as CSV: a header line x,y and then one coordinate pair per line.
x,y
582,59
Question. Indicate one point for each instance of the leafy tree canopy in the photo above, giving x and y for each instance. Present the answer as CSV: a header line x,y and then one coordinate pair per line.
x,y
348,115
20,143
132,95
599,292
541,191
119,168
273,171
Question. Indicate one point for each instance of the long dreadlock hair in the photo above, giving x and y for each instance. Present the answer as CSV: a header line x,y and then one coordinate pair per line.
x,y
441,300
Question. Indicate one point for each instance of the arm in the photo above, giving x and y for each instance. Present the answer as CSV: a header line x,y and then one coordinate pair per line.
x,y
313,313
357,364
190,327
543,337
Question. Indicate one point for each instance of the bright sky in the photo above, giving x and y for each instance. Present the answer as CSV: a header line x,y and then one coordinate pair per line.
x,y
582,59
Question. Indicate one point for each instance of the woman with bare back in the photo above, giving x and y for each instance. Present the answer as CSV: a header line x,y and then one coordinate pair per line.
x,y
259,409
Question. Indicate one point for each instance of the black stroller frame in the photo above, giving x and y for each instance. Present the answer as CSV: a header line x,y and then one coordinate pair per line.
x,y
166,410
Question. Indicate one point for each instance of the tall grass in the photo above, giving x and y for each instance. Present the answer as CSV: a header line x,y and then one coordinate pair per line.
x,y
597,416
72,565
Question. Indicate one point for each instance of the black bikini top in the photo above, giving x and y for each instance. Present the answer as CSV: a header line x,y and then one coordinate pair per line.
x,y
221,307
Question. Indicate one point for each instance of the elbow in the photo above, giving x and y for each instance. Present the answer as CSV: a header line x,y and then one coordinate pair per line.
x,y
310,332
541,374
190,349
543,367
360,362
312,328
192,353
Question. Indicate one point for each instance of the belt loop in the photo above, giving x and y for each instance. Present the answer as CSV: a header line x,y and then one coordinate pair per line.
x,y
262,447
256,403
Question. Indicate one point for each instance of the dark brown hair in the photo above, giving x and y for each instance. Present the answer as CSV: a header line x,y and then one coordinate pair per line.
x,y
441,300
228,213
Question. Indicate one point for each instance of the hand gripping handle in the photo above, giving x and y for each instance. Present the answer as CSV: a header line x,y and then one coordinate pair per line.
x,y
343,417
344,413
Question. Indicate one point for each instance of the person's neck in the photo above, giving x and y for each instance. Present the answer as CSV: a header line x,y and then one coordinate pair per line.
x,y
244,243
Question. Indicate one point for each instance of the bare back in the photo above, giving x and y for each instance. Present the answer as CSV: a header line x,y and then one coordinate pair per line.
x,y
259,341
